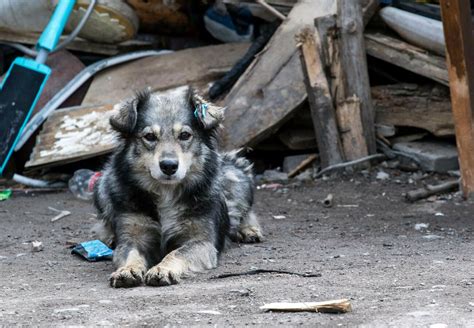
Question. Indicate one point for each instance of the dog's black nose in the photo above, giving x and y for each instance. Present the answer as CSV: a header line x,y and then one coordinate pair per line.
x,y
169,166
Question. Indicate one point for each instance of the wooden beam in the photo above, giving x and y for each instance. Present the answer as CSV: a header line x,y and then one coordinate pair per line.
x,y
354,65
350,129
459,53
272,87
407,56
420,106
163,72
320,100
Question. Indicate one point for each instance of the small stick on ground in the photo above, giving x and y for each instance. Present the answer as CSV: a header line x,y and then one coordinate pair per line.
x,y
258,271
61,214
302,165
335,306
430,190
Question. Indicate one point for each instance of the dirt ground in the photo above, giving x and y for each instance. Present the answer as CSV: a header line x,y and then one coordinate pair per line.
x,y
365,247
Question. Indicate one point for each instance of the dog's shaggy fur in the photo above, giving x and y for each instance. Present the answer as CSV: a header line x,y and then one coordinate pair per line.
x,y
167,199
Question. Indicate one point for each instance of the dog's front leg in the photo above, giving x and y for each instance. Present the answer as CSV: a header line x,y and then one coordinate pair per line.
x,y
193,256
138,244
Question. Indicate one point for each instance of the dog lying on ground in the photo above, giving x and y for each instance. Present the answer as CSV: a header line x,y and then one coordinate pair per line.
x,y
167,199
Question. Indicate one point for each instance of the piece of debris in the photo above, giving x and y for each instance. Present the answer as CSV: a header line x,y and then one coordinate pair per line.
x,y
421,226
36,246
274,176
328,201
260,271
209,312
295,164
430,190
385,130
381,175
305,176
432,237
61,214
93,250
335,306
432,156
5,194
271,186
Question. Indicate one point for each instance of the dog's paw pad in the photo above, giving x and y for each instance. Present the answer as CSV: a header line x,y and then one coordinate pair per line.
x,y
250,234
126,277
159,276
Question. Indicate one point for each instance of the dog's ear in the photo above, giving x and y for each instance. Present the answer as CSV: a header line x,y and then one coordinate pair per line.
x,y
125,120
208,114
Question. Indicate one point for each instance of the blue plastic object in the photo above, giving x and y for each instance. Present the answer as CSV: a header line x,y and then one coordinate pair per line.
x,y
93,251
50,36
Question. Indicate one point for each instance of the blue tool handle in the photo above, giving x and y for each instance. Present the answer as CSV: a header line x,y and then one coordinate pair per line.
x,y
50,36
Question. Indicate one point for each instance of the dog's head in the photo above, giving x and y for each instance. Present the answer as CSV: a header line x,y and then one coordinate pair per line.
x,y
169,137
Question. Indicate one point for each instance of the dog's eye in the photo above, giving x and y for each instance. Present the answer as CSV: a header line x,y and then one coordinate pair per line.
x,y
150,137
184,136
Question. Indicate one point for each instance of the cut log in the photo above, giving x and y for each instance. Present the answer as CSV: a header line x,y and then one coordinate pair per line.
x,y
335,306
320,100
183,67
406,56
351,130
272,87
426,107
354,68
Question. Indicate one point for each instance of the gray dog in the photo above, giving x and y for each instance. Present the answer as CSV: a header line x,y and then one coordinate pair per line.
x,y
168,200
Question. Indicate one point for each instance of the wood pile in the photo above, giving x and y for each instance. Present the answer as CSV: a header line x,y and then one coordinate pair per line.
x,y
306,91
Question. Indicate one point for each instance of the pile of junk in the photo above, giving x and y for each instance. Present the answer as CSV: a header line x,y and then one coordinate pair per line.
x,y
65,65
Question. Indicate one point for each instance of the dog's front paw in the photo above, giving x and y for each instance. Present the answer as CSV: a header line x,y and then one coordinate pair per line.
x,y
161,276
250,234
126,277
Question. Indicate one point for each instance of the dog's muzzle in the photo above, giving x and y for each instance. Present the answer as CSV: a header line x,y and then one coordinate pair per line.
x,y
169,166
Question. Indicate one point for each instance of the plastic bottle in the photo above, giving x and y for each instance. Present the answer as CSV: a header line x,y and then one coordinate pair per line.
x,y
82,183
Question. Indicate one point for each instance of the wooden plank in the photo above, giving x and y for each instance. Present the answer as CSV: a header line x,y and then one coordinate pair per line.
x,y
333,306
406,56
163,72
354,67
427,107
320,100
459,53
79,44
73,134
351,130
272,87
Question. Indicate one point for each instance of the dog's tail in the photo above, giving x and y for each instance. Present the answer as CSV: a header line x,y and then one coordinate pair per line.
x,y
235,158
